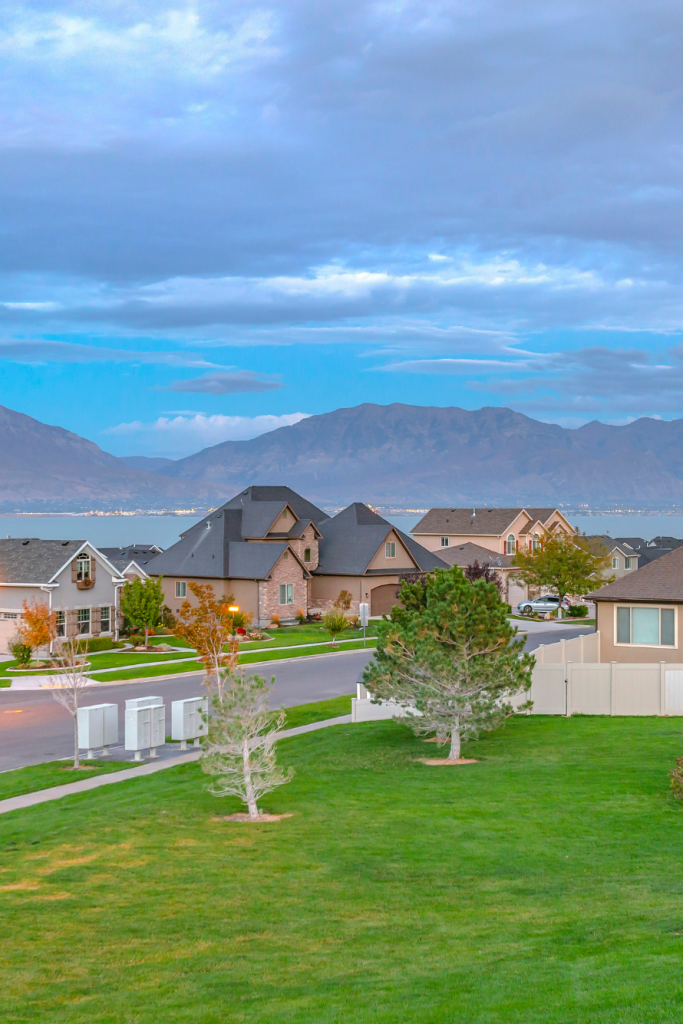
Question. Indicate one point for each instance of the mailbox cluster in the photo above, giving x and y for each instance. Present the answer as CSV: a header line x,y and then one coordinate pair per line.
x,y
144,724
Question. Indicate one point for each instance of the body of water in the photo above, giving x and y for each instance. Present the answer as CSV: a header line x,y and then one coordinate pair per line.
x,y
110,531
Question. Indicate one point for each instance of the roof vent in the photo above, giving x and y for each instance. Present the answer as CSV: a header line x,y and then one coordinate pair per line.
x,y
25,542
64,543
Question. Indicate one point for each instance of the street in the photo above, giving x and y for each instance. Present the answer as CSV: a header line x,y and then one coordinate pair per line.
x,y
34,728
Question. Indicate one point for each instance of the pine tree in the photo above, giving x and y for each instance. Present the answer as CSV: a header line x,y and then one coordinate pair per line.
x,y
451,655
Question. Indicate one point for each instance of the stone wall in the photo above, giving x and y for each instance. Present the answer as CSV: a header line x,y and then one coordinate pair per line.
x,y
286,570
308,539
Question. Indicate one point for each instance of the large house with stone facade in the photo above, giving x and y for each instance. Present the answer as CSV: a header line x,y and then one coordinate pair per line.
x,y
76,580
274,553
502,531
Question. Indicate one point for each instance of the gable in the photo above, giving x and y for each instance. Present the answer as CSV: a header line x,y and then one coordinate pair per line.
x,y
403,559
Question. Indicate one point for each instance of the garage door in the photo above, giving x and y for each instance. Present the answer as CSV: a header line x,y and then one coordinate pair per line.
x,y
383,599
8,627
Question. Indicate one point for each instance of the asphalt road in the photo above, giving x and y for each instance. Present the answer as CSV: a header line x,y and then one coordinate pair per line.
x,y
34,728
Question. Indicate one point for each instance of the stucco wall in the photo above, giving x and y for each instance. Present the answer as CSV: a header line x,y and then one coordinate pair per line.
x,y
325,589
244,592
433,542
402,561
630,653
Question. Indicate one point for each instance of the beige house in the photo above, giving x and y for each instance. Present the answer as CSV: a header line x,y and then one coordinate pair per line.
x,y
640,616
76,580
501,531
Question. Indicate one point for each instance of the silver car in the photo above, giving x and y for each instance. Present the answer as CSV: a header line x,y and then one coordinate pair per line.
x,y
541,605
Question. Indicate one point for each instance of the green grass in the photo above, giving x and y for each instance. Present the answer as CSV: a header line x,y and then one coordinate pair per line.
x,y
52,773
305,714
541,885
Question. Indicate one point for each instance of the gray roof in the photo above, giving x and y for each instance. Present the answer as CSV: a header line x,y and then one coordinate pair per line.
x,y
31,560
467,554
352,538
661,580
140,553
485,521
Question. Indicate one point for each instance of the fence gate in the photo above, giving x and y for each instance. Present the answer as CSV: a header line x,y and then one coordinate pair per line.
x,y
548,690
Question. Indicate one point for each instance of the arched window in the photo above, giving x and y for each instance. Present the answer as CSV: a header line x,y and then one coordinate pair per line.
x,y
307,554
510,546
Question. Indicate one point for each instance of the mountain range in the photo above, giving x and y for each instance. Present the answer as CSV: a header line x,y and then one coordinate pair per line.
x,y
400,455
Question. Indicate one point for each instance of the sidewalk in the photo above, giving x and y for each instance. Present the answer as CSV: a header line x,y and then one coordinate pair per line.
x,y
42,796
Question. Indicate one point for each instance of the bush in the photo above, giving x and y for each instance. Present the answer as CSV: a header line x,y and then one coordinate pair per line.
x,y
301,616
275,621
19,650
335,622
99,643
136,640
168,619
577,611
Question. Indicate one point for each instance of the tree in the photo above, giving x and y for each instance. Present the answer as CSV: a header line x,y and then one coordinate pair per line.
x,y
19,650
38,627
344,599
208,626
568,565
483,572
450,655
239,746
69,683
141,604
335,622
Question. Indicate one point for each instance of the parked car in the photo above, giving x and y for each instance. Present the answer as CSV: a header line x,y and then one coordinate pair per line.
x,y
541,605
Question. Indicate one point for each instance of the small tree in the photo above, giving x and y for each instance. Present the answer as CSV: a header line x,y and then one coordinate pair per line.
x,y
19,650
239,746
208,626
343,601
69,683
483,572
335,622
451,656
568,565
141,604
39,625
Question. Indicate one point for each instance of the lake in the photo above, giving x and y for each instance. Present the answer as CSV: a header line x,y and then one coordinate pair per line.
x,y
111,531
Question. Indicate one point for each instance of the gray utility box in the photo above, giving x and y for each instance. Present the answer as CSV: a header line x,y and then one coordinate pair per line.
x,y
187,721
98,726
143,702
145,727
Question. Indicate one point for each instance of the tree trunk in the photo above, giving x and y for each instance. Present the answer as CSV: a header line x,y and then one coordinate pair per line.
x,y
146,636
455,742
77,759
249,789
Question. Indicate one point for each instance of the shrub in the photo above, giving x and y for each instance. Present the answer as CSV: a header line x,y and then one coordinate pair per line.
x,y
19,650
301,616
577,611
168,619
676,776
136,640
275,621
241,631
100,643
335,622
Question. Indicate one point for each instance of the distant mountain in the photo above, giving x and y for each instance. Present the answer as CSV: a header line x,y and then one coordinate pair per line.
x,y
150,463
416,455
402,455
44,468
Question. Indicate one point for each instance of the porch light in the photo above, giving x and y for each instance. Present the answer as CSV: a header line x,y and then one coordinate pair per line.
x,y
233,608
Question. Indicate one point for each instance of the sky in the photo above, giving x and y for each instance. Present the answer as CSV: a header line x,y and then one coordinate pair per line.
x,y
219,217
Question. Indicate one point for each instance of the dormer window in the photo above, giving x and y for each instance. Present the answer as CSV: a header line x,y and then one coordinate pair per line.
x,y
510,545
82,568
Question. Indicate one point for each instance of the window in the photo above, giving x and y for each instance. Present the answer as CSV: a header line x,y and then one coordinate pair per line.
x,y
510,546
615,562
286,554
444,542
181,589
10,615
83,620
649,627
61,623
286,593
390,549
284,514
82,568
105,619
535,542
307,554
627,563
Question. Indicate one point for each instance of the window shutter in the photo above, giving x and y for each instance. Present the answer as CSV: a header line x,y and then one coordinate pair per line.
x,y
74,571
71,623
93,564
95,621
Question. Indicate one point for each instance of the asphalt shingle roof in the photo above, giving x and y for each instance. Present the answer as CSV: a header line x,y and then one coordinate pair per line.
x,y
140,553
31,560
467,554
661,580
485,522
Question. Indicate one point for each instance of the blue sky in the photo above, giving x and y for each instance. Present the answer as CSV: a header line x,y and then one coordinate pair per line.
x,y
219,217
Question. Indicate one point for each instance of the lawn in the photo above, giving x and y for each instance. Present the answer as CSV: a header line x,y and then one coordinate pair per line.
x,y
53,773
541,884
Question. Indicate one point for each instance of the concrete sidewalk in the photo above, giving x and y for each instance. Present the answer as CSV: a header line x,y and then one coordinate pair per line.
x,y
42,796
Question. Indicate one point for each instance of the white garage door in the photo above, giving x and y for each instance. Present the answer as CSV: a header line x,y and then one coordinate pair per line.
x,y
8,627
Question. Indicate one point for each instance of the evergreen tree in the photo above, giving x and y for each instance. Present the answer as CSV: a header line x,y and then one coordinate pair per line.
x,y
452,656
141,604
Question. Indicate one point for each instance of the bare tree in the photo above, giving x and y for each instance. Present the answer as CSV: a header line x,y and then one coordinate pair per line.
x,y
69,683
239,747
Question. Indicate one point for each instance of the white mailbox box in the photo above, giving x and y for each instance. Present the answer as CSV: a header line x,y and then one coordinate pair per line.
x,y
187,722
145,727
364,614
98,726
143,702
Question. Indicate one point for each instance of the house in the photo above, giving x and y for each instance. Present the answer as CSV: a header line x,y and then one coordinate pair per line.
x,y
648,550
623,558
274,553
502,531
362,553
78,582
463,555
259,549
639,617
131,561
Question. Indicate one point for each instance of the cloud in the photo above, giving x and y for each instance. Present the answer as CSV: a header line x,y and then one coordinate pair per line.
x,y
38,351
183,435
242,381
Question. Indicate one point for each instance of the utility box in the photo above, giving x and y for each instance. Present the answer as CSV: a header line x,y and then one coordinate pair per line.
x,y
143,702
145,727
364,614
98,726
187,721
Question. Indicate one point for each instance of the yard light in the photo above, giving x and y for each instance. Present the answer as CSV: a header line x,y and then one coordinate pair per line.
x,y
233,608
